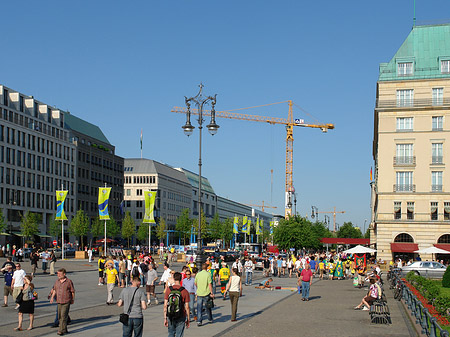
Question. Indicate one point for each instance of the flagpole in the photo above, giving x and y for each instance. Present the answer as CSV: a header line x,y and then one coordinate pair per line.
x,y
62,230
141,143
105,235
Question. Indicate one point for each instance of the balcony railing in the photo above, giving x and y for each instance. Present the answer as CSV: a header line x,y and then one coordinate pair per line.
x,y
437,160
405,161
436,188
413,103
404,188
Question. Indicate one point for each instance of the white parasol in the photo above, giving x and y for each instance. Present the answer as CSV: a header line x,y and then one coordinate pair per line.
x,y
360,250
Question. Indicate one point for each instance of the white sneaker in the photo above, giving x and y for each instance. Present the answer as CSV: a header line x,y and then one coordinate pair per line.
x,y
156,301
148,302
100,284
365,309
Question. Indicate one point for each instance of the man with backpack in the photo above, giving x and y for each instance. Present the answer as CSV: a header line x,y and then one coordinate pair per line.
x,y
176,308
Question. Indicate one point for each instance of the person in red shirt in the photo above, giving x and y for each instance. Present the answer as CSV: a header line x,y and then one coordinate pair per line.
x,y
305,278
176,326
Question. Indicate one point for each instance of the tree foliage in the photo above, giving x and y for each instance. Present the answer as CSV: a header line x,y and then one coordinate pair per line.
x,y
128,227
3,223
112,228
161,229
203,224
142,233
79,226
215,228
227,230
347,230
55,228
184,225
30,224
97,227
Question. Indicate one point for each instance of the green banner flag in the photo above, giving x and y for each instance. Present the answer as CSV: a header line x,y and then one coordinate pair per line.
x,y
249,226
258,227
149,206
236,225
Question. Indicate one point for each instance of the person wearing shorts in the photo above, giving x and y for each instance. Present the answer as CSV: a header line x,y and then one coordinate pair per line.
x,y
152,276
371,296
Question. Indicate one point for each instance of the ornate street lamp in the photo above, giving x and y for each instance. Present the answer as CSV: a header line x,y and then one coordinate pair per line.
x,y
200,101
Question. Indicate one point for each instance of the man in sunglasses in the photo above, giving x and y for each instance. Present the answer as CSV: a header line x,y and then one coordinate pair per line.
x,y
17,282
189,285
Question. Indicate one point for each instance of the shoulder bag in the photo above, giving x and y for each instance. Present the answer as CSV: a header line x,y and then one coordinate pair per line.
x,y
123,318
19,297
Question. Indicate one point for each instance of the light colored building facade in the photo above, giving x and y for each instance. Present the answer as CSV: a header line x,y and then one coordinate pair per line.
x,y
36,158
411,148
173,189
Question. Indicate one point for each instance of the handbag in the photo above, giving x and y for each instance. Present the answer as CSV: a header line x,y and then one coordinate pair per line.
x,y
19,297
123,318
209,303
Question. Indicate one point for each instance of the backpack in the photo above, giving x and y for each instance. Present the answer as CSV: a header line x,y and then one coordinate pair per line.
x,y
175,303
135,271
144,267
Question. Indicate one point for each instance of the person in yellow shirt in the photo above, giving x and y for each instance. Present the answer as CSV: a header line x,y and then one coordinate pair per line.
x,y
321,268
224,275
101,269
111,278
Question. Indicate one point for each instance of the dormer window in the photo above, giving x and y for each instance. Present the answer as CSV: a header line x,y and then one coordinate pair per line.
x,y
445,66
405,69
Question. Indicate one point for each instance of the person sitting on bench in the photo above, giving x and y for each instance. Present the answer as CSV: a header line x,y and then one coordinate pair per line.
x,y
372,295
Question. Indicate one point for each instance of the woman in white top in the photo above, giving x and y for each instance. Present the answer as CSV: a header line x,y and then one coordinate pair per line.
x,y
234,288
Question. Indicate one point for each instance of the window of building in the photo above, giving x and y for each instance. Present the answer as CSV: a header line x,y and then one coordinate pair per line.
x,y
438,96
436,181
403,237
128,192
410,210
404,182
397,210
447,211
128,203
139,192
434,210
139,203
404,123
404,154
445,67
437,153
405,97
437,123
444,238
405,69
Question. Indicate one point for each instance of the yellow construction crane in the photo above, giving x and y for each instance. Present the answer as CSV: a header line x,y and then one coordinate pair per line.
x,y
288,122
334,212
263,206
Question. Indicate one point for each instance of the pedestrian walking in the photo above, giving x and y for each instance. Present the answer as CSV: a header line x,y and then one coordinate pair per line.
x,y
306,277
52,259
176,308
224,275
152,276
34,258
8,276
122,269
248,267
90,254
64,291
17,282
204,293
45,256
101,269
111,278
132,299
26,305
234,288
189,285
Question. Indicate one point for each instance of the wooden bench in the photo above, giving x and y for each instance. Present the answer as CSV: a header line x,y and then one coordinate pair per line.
x,y
379,313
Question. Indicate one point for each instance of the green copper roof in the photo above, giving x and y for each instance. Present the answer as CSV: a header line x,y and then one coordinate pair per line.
x,y
86,128
425,47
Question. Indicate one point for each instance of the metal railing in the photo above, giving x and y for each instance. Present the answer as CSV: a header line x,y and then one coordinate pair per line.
x,y
404,188
436,188
413,103
427,322
405,160
437,160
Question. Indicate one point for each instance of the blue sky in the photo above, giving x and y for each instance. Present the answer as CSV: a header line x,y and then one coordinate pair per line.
x,y
124,65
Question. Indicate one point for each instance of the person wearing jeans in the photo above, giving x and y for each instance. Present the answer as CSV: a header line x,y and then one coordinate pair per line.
x,y
134,301
189,285
176,325
306,277
248,267
204,292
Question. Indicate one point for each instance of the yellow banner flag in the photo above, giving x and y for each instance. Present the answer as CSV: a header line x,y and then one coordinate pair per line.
x,y
236,225
60,197
150,198
103,200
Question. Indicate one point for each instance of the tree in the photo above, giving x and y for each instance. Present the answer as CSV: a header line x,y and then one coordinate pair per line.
x,y
128,227
142,233
55,227
79,225
3,223
184,225
161,230
227,230
203,225
215,228
30,224
97,227
347,230
296,232
112,228
367,235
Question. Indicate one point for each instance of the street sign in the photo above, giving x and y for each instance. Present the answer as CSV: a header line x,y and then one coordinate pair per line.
x,y
55,242
161,244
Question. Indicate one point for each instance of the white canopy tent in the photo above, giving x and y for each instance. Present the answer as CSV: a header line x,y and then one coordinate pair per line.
x,y
432,250
360,250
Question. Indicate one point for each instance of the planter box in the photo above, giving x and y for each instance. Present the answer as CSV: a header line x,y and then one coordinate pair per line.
x,y
81,254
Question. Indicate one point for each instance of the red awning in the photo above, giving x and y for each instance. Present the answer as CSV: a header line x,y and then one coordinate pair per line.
x,y
445,246
345,241
404,247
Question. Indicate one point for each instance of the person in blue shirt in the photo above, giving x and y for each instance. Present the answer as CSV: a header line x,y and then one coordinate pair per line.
x,y
313,265
8,275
